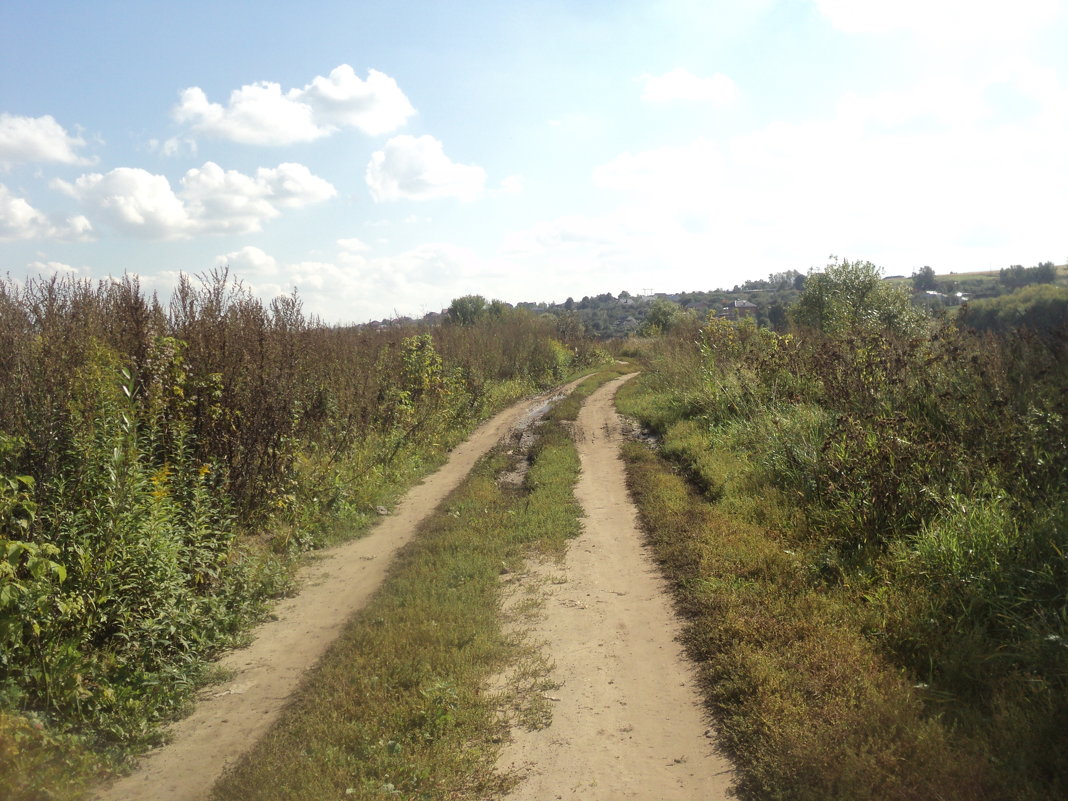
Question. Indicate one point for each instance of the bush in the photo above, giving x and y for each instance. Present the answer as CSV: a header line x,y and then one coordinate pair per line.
x,y
851,297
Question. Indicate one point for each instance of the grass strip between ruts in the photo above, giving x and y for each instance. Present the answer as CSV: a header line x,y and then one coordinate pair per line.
x,y
399,706
568,408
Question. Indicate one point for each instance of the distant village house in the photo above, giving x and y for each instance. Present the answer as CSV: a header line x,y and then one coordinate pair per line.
x,y
739,309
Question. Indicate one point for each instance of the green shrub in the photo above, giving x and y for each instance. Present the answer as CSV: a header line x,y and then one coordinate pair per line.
x,y
918,475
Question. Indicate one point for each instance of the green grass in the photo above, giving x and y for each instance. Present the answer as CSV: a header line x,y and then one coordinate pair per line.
x,y
806,705
340,496
400,706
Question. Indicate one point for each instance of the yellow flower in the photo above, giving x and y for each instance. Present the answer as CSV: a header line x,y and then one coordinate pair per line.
x,y
159,481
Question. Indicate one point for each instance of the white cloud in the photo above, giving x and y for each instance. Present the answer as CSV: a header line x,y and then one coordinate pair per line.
x,y
249,262
632,247
28,139
262,114
671,177
943,99
258,114
564,232
438,264
133,201
292,186
175,146
512,184
947,21
375,106
681,84
54,268
924,174
230,201
20,220
353,245
416,168
211,200
226,200
358,288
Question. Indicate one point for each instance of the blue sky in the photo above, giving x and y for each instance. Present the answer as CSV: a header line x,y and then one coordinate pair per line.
x,y
385,157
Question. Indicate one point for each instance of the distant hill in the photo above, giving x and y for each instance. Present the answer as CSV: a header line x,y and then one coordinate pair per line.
x,y
607,315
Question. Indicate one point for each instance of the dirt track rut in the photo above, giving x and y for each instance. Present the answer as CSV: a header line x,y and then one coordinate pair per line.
x,y
627,720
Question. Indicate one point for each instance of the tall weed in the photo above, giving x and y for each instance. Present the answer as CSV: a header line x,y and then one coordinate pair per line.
x,y
169,459
922,477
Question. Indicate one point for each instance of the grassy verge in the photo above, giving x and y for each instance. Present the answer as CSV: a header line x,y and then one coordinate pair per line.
x,y
399,706
806,705
339,499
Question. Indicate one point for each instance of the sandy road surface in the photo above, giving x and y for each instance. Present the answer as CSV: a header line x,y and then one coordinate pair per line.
x,y
627,720
230,717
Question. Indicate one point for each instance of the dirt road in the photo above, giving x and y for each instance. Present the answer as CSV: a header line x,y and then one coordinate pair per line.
x,y
230,717
627,719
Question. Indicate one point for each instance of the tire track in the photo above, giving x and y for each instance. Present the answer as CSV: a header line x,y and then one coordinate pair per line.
x,y
627,719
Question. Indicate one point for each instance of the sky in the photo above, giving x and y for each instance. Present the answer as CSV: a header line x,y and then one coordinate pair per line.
x,y
382,158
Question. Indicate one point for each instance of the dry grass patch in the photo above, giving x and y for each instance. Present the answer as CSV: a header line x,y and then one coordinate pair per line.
x,y
806,706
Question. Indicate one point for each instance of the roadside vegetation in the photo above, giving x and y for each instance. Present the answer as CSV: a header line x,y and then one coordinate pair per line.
x,y
399,707
162,467
866,522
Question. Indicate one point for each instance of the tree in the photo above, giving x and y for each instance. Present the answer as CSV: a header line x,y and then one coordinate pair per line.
x,y
851,298
1018,276
1045,273
662,315
467,310
498,309
569,327
784,280
777,317
923,279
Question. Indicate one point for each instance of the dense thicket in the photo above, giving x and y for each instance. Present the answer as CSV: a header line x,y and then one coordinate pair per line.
x,y
1041,309
926,464
157,459
1018,276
